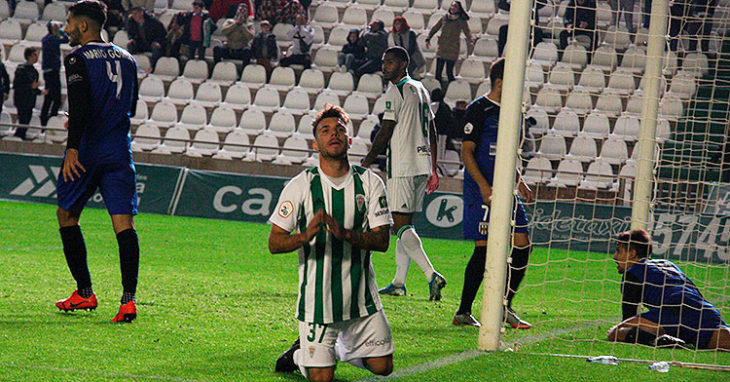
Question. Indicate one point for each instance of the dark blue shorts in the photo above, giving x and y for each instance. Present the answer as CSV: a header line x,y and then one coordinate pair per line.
x,y
475,222
116,183
694,326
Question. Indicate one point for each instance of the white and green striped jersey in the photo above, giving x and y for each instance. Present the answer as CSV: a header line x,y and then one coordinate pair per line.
x,y
336,280
408,104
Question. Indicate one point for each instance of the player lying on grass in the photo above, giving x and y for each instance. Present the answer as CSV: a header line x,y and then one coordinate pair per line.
x,y
340,213
678,314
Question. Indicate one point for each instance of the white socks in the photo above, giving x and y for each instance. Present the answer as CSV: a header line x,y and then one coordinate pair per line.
x,y
409,246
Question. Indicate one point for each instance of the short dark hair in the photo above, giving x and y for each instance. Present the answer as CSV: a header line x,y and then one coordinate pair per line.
x,y
638,240
329,111
93,9
496,70
399,53
28,52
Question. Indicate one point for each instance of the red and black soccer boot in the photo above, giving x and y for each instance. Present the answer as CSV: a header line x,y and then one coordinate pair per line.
x,y
127,313
75,302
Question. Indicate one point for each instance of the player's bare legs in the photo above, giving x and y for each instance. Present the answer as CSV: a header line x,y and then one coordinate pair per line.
x,y
620,332
720,340
409,247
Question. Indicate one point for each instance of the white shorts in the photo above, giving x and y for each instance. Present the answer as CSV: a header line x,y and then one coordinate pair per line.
x,y
322,345
405,194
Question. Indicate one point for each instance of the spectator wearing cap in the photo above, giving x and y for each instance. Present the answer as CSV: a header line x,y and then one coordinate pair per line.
x,y
403,36
375,41
197,28
51,49
302,36
146,34
239,32
264,47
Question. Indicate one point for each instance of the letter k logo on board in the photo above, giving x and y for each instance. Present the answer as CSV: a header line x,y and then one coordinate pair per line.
x,y
40,184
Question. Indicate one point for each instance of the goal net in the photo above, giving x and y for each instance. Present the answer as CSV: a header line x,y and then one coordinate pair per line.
x,y
588,96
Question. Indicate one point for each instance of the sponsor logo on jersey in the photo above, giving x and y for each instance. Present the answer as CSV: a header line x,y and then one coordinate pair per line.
x,y
360,201
445,211
383,202
387,105
423,150
286,209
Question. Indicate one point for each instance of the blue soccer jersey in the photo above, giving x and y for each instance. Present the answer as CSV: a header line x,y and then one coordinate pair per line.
x,y
482,120
102,94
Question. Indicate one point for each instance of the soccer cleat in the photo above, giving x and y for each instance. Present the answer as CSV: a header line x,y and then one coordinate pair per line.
x,y
670,342
466,319
393,290
75,302
437,283
285,362
514,320
127,313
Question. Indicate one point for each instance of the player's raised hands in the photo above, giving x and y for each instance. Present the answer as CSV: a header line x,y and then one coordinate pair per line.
x,y
72,166
432,184
334,227
314,225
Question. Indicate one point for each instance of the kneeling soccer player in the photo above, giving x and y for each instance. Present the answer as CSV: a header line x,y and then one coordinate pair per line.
x,y
678,314
340,214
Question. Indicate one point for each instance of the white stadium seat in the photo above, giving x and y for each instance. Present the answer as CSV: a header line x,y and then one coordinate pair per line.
x,y
566,124
599,176
297,102
614,151
209,94
282,124
205,143
234,146
538,170
282,78
596,125
238,97
583,148
152,89
193,117
569,174
180,92
223,120
252,122
224,73
311,81
164,114
175,141
263,150
146,138
267,99
196,71
293,151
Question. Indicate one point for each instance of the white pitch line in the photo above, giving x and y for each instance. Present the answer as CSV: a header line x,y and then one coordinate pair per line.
x,y
106,374
470,354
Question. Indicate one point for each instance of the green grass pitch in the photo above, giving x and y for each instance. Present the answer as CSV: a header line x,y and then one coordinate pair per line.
x,y
214,305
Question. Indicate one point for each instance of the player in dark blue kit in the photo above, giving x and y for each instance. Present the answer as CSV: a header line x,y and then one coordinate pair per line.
x,y
102,94
676,306
478,154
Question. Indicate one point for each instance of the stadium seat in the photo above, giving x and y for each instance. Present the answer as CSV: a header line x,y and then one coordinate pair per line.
x,y
160,7
454,163
209,94
326,59
282,79
663,130
579,101
627,127
265,148
534,76
628,172
224,73
614,151
592,79
696,63
338,37
151,90
175,142
280,32
430,52
294,151
475,26
569,174
634,104
483,89
253,122
27,12
566,124
424,7
538,170
598,177
341,84
35,32
366,129
354,17
485,50
552,147
458,89
634,60
238,97
379,106
415,21
304,127
267,99
605,58
311,81
10,32
583,148
223,120
472,70
181,6
205,143
369,5
671,107
357,152
143,62
370,85
609,103
576,56
164,114
386,15
4,10
545,53
621,82
146,138
562,77
121,38
542,121
669,64
235,146
282,124
356,105
318,37
326,97
297,102
193,117
683,85
54,136
495,23
141,113
550,99
196,71
596,125
180,92
395,6
603,15
617,37
167,68
482,9
15,56
325,16
253,76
